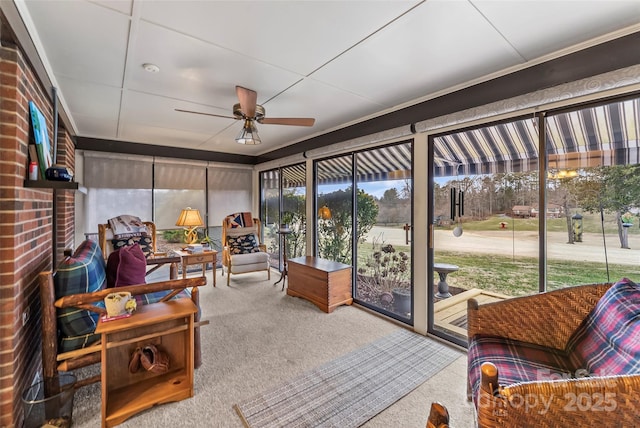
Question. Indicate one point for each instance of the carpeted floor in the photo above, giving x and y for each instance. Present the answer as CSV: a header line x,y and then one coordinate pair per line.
x,y
259,338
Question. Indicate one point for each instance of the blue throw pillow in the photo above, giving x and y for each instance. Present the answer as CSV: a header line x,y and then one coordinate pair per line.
x,y
83,272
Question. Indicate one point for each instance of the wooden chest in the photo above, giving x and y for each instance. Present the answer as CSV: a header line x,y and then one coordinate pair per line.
x,y
325,283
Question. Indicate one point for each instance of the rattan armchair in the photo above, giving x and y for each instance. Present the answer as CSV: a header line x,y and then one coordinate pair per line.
x,y
547,321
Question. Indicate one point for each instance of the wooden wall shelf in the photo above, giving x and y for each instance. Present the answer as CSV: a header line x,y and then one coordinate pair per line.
x,y
47,184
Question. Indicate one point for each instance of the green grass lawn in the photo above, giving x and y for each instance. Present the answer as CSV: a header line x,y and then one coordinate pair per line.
x,y
520,276
514,277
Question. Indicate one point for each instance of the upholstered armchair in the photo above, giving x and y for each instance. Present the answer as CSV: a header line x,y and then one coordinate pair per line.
x,y
242,251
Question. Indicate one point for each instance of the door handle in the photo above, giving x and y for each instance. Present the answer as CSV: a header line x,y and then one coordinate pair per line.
x,y
407,228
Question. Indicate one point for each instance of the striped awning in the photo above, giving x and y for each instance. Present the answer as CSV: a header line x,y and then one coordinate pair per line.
x,y
385,163
601,135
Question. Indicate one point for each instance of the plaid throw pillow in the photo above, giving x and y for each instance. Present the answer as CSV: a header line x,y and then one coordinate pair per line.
x,y
608,341
84,272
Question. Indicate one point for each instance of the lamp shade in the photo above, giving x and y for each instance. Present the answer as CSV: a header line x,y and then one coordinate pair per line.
x,y
248,134
324,213
190,217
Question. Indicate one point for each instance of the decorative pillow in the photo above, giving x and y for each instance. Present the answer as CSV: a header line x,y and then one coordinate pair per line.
x,y
145,242
84,272
607,342
242,244
126,266
244,219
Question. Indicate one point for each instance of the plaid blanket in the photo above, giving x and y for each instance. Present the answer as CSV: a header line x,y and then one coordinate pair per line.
x,y
126,226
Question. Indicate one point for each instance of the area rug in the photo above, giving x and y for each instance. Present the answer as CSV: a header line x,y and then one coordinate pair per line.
x,y
350,390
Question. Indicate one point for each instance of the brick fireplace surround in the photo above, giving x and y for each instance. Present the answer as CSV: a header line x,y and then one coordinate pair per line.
x,y
26,227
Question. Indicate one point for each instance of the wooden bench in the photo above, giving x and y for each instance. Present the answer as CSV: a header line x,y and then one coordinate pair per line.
x,y
52,361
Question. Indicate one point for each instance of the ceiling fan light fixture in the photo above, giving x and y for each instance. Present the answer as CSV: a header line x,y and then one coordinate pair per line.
x,y
248,134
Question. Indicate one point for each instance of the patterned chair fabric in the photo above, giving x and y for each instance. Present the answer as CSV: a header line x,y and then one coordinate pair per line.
x,y
242,250
574,343
109,243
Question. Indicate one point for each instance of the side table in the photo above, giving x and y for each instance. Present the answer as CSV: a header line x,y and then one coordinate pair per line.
x,y
199,258
168,325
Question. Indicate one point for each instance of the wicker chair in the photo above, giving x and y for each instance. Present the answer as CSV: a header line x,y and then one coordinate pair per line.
x,y
248,259
548,321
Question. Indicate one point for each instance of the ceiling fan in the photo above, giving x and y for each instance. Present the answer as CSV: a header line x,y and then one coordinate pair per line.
x,y
249,111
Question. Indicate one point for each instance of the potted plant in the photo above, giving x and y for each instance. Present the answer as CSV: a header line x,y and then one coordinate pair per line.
x,y
384,279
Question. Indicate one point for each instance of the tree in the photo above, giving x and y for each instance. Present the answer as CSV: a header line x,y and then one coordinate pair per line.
x,y
335,231
614,189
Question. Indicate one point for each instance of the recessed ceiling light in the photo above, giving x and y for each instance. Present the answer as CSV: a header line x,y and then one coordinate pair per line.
x,y
151,68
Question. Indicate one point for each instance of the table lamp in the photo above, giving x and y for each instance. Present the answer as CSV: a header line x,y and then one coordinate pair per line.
x,y
324,213
190,219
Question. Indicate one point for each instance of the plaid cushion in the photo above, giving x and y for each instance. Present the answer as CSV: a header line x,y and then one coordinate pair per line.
x,y
516,361
84,272
243,244
244,219
71,343
608,341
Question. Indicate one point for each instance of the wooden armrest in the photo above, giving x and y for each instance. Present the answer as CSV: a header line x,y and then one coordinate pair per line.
x,y
86,298
547,319
201,323
79,352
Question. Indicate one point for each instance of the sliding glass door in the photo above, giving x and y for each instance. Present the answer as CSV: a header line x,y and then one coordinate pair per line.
x,y
485,200
496,235
364,208
593,188
334,202
384,245
283,201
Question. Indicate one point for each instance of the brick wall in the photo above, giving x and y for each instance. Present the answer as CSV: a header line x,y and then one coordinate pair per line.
x,y
26,230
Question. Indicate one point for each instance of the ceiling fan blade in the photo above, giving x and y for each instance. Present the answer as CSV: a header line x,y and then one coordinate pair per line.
x,y
248,100
295,121
205,114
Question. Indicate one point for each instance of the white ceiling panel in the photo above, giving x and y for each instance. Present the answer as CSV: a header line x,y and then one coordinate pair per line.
x,y
295,35
339,61
330,106
82,40
157,111
96,127
537,28
161,136
81,99
200,72
124,6
439,45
